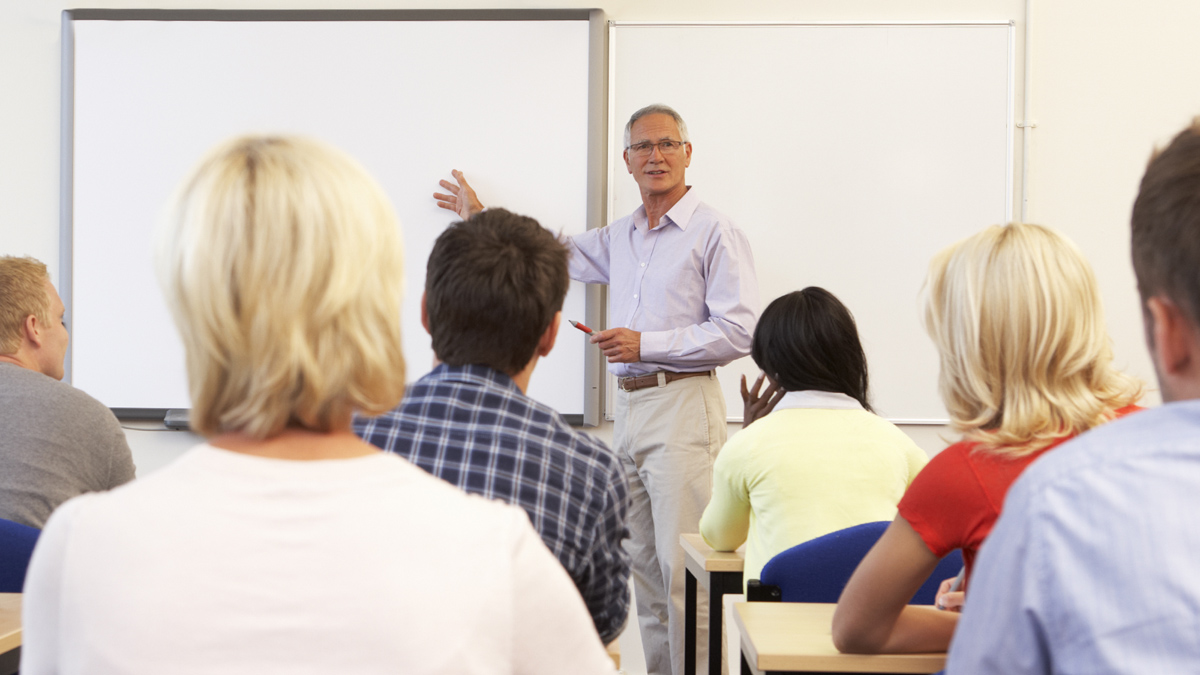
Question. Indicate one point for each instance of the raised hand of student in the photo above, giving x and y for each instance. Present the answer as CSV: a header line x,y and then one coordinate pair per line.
x,y
461,200
620,345
755,406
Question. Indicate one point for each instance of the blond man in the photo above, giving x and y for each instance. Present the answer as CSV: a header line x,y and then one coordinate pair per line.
x,y
55,441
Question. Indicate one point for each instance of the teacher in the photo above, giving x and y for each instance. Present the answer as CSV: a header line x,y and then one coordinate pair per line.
x,y
683,300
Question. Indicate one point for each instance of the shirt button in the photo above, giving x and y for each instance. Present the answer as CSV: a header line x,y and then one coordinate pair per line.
x,y
635,296
643,264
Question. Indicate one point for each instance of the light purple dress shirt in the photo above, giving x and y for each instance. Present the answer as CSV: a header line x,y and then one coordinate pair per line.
x,y
688,285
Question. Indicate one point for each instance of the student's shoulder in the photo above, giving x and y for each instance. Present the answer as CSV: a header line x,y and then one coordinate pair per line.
x,y
951,464
439,497
85,405
549,424
780,426
54,398
432,400
889,440
1170,432
872,423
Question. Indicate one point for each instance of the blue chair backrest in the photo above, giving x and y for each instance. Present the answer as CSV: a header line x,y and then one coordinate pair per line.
x,y
817,570
16,546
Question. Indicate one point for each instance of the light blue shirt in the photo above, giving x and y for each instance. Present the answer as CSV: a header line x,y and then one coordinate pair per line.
x,y
1094,565
688,285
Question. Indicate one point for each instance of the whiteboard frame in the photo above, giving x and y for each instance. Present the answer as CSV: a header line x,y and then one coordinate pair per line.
x,y
614,139
597,123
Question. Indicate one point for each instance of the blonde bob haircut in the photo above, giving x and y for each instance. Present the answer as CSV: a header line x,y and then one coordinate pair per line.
x,y
1025,359
281,262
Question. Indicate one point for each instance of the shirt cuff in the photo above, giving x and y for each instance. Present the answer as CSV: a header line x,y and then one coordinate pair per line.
x,y
653,346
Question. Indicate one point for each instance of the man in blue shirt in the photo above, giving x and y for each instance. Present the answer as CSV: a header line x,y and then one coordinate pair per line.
x,y
494,291
1092,565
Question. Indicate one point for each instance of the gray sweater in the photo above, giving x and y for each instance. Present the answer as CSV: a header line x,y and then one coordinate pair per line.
x,y
55,442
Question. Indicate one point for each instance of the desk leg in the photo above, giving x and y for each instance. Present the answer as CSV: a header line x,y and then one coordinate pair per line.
x,y
719,584
9,661
745,665
689,623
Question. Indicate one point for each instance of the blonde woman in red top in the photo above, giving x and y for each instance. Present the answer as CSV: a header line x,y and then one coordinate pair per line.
x,y
1026,364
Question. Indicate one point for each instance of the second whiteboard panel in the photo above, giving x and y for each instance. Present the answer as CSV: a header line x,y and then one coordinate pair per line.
x,y
849,154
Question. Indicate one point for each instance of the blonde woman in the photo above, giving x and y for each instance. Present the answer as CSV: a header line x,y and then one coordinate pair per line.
x,y
1025,364
284,543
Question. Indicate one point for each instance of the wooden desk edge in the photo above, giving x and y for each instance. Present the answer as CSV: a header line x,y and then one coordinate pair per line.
x,y
10,625
709,560
749,651
852,663
10,641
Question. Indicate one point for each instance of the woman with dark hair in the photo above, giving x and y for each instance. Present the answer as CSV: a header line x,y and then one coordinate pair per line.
x,y
821,460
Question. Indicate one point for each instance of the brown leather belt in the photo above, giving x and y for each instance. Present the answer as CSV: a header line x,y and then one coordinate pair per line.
x,y
651,379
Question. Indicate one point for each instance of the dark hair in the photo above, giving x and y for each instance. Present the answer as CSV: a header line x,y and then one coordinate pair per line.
x,y
492,286
1166,224
808,340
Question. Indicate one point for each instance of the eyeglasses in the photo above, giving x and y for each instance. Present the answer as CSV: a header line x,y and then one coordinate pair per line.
x,y
646,148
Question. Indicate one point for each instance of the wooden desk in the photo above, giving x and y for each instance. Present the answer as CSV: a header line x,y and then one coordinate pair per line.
x,y
795,637
720,572
10,632
614,652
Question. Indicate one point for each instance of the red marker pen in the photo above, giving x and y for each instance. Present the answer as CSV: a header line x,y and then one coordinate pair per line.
x,y
582,327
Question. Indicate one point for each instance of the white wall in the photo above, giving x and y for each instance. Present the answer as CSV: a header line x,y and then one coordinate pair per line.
x,y
1110,79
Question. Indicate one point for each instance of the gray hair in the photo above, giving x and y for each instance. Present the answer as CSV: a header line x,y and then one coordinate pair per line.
x,y
660,109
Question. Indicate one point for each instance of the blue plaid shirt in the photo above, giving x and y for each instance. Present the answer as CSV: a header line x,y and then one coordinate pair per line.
x,y
472,426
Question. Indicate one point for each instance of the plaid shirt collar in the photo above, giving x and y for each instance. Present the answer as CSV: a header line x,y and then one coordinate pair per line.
x,y
473,374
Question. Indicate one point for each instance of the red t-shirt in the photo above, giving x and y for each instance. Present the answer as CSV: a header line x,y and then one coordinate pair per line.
x,y
955,500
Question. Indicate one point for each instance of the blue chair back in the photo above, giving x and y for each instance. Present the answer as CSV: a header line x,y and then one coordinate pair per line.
x,y
16,546
818,570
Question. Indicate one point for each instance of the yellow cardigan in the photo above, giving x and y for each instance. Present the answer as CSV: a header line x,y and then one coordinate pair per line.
x,y
800,473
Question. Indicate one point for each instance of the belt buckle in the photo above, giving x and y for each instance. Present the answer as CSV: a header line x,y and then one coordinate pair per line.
x,y
621,382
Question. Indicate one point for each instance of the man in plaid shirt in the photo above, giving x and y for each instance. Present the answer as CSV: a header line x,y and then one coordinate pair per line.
x,y
494,289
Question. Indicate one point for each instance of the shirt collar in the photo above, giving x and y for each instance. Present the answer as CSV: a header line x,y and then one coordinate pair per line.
x,y
471,373
824,400
680,214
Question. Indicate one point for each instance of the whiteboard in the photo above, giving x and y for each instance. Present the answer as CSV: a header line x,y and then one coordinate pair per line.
x,y
849,154
150,92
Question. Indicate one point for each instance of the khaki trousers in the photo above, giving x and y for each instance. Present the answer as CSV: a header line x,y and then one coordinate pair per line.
x,y
667,439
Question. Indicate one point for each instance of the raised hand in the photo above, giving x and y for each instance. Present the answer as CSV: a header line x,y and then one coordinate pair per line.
x,y
461,200
755,406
